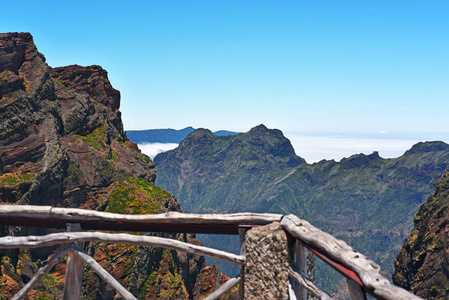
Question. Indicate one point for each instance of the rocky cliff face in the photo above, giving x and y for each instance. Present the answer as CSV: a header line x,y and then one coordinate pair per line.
x,y
422,265
364,199
62,140
62,144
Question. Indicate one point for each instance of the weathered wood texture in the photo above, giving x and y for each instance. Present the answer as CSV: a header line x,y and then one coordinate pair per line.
x,y
102,273
335,252
291,291
74,270
308,285
342,253
68,214
22,294
10,242
242,235
355,290
226,287
301,266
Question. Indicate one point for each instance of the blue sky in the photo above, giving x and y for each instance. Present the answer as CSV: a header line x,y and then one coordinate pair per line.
x,y
300,66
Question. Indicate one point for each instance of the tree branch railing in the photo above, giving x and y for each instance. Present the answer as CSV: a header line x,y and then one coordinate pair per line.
x,y
363,275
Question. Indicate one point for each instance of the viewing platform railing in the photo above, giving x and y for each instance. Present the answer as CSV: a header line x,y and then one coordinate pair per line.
x,y
363,275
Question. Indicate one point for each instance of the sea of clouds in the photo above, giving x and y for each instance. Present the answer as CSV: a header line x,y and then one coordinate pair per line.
x,y
316,148
152,149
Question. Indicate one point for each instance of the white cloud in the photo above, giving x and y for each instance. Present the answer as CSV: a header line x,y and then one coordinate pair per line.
x,y
152,149
314,149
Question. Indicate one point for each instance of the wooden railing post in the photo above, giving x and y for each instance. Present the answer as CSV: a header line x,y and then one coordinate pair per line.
x,y
301,267
74,270
356,291
242,234
267,263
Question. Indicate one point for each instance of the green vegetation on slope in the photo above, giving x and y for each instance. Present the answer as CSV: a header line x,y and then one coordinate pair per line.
x,y
136,196
421,265
365,200
96,139
14,179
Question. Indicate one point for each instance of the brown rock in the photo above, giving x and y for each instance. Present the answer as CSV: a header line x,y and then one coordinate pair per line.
x,y
422,264
62,144
89,81
209,279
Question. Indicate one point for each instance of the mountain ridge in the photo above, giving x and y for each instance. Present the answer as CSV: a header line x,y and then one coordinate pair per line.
x,y
364,199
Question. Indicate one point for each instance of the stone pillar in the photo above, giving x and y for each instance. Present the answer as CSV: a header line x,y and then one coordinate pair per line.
x,y
267,261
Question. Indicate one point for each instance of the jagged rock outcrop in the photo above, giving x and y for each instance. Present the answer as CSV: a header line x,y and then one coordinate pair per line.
x,y
62,144
422,265
62,140
209,279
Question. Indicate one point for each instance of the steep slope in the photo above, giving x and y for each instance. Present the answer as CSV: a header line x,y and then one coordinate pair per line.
x,y
62,144
422,265
364,199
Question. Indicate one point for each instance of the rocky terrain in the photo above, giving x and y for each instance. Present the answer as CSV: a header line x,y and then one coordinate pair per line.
x,y
422,265
62,144
365,200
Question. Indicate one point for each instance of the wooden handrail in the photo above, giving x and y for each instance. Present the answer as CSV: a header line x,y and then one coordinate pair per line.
x,y
340,252
308,285
363,274
9,242
175,222
71,214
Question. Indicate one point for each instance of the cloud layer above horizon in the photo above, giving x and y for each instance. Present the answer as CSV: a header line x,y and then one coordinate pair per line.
x,y
316,148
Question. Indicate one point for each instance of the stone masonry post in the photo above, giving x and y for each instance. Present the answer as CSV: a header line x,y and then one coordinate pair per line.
x,y
267,261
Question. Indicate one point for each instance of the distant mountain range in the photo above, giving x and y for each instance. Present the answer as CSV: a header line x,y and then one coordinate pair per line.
x,y
166,135
366,200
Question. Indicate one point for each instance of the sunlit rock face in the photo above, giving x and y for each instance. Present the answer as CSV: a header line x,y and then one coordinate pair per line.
x,y
422,264
62,144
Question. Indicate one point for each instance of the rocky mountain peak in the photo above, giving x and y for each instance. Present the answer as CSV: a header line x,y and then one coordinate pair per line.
x,y
423,147
197,139
23,71
272,141
360,160
12,50
259,128
60,129
201,133
91,81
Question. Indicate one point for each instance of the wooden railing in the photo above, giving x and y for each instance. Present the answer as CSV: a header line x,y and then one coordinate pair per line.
x,y
363,275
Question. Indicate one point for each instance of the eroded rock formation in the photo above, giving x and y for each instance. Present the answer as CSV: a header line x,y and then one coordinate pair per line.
x,y
422,265
62,144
